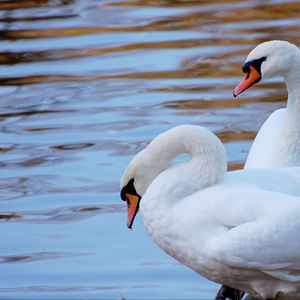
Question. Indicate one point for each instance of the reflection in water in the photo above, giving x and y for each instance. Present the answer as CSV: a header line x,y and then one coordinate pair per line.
x,y
15,4
25,258
61,215
84,86
16,187
9,216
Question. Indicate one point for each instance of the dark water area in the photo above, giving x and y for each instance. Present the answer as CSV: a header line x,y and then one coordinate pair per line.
x,y
84,85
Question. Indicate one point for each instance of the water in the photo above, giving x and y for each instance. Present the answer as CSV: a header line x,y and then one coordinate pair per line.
x,y
85,85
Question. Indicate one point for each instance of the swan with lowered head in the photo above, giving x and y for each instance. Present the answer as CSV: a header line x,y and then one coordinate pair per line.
x,y
277,143
240,228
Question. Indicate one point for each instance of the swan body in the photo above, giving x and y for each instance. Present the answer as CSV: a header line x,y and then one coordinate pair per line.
x,y
277,143
240,228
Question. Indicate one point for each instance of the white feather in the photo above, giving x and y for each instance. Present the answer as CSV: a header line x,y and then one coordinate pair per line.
x,y
277,143
238,228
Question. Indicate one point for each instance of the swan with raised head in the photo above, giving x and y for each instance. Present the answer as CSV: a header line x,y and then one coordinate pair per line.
x,y
277,143
239,228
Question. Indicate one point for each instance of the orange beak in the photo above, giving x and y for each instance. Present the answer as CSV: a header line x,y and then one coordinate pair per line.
x,y
133,202
252,77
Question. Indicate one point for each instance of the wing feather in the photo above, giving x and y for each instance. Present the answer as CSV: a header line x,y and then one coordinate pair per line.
x,y
266,238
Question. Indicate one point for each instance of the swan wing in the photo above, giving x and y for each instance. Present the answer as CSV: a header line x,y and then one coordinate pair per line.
x,y
266,238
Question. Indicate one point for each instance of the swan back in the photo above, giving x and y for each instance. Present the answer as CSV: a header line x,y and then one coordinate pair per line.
x,y
207,151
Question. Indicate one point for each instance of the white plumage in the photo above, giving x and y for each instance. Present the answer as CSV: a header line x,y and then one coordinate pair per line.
x,y
239,228
277,143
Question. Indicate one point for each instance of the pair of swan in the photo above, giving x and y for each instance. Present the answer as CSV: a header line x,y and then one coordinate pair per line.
x,y
240,228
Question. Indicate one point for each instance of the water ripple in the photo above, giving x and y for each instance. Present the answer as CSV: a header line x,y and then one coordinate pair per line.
x,y
84,86
30,257
16,187
60,215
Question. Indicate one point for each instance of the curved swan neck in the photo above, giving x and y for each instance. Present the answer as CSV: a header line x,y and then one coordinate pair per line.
x,y
190,139
286,148
292,79
206,167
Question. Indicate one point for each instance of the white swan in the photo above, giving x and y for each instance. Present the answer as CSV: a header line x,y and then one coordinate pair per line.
x,y
239,228
277,143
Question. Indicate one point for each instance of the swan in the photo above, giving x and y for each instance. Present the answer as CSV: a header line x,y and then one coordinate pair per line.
x,y
239,228
277,143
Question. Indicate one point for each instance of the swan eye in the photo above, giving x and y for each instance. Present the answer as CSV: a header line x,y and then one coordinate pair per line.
x,y
246,68
128,189
255,63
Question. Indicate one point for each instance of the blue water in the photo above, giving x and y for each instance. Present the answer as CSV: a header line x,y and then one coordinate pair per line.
x,y
84,86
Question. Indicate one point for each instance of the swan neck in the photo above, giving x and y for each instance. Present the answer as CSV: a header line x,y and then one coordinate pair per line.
x,y
206,167
287,146
292,79
172,185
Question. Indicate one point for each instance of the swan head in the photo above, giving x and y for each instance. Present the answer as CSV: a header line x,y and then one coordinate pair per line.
x,y
129,194
134,182
267,60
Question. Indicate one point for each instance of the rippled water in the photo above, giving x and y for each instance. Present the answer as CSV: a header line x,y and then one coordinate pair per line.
x,y
85,85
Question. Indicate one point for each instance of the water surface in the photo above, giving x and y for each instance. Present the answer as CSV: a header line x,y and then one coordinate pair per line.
x,y
84,86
